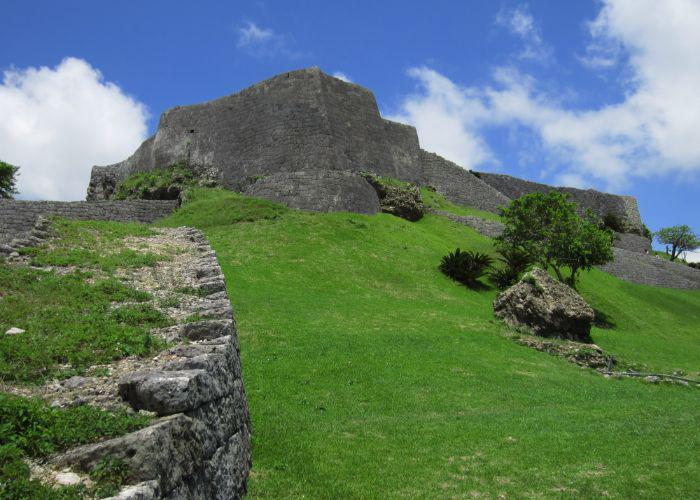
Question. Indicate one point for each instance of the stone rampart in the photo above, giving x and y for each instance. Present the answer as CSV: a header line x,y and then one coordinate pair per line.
x,y
17,217
200,446
305,121
602,204
490,228
298,121
459,185
651,270
632,242
320,191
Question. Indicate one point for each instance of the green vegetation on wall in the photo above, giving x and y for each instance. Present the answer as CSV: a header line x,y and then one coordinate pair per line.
x,y
165,183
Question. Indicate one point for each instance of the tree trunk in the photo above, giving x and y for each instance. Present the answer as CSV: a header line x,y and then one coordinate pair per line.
x,y
559,275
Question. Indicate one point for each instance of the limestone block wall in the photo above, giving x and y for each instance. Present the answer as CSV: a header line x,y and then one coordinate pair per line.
x,y
651,270
297,121
17,217
200,446
632,242
317,190
459,185
490,228
602,204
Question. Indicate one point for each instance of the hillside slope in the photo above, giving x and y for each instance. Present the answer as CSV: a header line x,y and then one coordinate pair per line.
x,y
370,374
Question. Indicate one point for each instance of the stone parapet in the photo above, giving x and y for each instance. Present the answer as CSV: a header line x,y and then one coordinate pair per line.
x,y
200,446
17,217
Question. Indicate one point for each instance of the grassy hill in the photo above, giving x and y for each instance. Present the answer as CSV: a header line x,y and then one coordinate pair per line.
x,y
370,374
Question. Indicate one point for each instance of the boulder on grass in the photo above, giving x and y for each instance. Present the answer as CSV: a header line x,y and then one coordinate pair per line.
x,y
546,307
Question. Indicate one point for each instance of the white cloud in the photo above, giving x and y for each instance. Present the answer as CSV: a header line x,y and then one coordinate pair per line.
x,y
342,76
447,118
651,131
265,42
519,22
58,122
693,256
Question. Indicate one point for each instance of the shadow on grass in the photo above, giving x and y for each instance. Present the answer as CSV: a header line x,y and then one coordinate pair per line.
x,y
602,320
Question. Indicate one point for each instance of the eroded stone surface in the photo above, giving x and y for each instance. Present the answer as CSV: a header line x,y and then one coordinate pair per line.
x,y
546,307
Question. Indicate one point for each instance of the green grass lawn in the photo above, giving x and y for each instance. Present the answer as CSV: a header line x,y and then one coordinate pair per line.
x,y
71,317
371,375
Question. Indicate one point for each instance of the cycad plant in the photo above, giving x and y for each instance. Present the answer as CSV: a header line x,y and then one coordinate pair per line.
x,y
466,267
515,262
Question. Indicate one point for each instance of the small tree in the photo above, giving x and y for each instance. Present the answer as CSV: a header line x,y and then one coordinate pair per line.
x,y
548,230
7,180
680,238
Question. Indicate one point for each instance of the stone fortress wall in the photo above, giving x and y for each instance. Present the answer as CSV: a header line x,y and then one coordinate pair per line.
x,y
601,204
318,190
17,217
307,121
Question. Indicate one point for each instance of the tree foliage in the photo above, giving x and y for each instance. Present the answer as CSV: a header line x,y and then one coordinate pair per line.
x,y
547,229
7,180
679,238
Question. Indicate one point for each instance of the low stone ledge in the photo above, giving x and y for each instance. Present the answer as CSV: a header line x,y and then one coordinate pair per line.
x,y
210,329
170,392
200,447
165,452
17,217
490,228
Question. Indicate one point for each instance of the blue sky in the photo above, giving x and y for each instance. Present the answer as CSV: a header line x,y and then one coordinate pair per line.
x,y
601,94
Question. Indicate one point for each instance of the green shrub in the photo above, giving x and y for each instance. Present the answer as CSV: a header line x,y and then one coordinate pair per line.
x,y
548,228
465,267
8,181
157,184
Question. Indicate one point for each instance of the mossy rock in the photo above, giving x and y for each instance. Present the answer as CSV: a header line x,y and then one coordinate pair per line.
x,y
401,199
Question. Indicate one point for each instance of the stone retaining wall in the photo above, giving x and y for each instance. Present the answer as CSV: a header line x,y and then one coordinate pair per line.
x,y
632,242
490,228
459,185
625,207
200,447
651,270
17,217
317,190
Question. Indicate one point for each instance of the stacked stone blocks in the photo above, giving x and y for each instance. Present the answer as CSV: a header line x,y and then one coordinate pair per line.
x,y
200,447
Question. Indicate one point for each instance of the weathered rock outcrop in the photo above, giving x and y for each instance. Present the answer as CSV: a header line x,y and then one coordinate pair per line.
x,y
400,200
546,307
